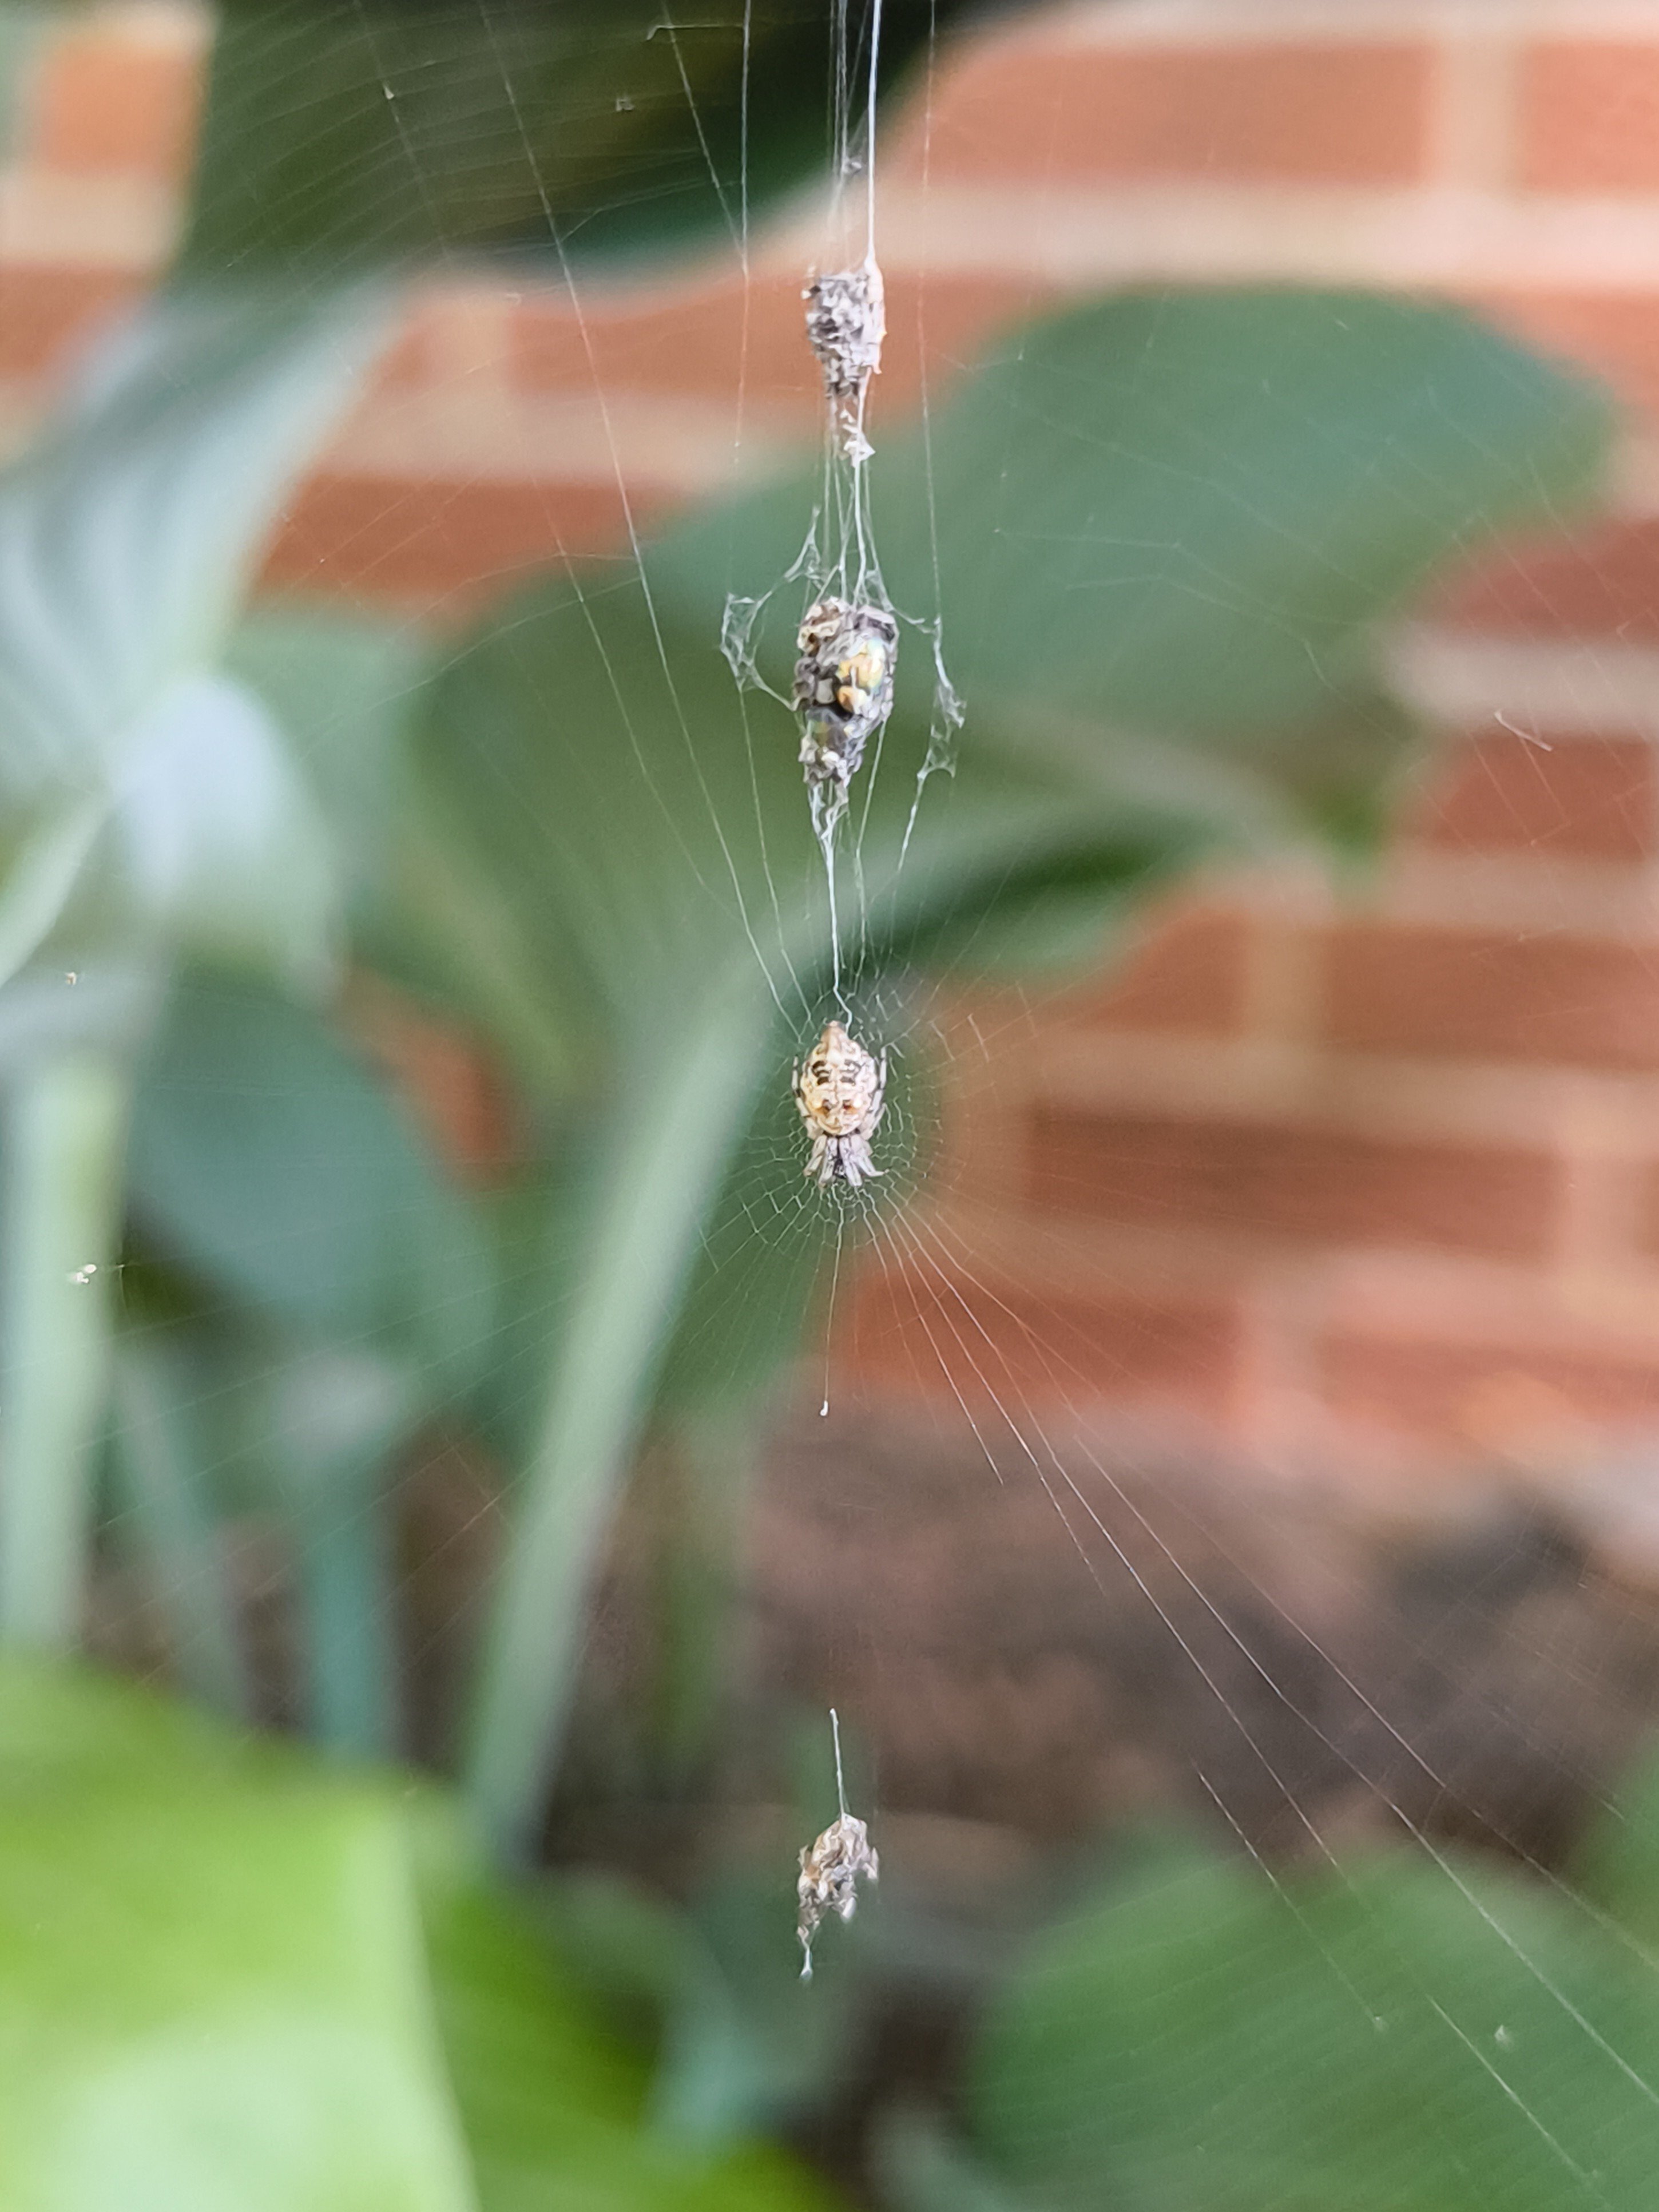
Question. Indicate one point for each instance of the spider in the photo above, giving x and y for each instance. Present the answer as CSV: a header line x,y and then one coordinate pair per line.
x,y
840,1092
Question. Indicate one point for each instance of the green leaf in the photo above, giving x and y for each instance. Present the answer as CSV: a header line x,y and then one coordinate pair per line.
x,y
165,1513
551,2116
1618,1867
231,1977
212,1981
214,844
23,25
923,2170
266,1159
1396,2036
65,1118
341,688
336,138
1182,517
1167,530
126,537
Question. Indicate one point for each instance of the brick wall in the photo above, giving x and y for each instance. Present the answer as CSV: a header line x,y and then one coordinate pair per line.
x,y
1379,1167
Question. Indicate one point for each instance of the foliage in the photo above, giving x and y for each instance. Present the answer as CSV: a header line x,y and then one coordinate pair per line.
x,y
1166,530
1410,2032
338,137
230,1976
684,930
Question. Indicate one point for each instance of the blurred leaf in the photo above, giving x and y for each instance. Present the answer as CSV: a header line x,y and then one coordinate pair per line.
x,y
743,2044
1618,1867
23,24
1167,528
338,137
1393,2037
549,2114
216,843
748,2044
212,1981
923,2170
267,1159
229,1977
649,1192
167,1515
341,688
1181,515
1157,516
126,536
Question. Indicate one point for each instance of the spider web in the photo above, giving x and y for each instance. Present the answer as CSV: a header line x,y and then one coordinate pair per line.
x,y
1275,1691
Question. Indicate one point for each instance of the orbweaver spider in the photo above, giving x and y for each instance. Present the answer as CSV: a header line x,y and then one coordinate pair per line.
x,y
839,1091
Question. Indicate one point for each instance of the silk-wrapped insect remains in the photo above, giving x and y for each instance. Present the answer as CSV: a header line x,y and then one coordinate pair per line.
x,y
843,686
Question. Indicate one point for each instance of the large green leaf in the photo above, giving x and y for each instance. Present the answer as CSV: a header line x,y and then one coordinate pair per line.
x,y
1400,2036
1166,532
232,1980
1181,516
126,537
212,1984
511,2029
662,892
335,137
267,1159
341,686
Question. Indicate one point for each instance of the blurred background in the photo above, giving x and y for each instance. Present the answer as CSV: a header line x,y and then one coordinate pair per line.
x,y
451,1461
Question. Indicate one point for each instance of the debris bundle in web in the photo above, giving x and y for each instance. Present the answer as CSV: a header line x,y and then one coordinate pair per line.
x,y
830,1867
846,323
848,637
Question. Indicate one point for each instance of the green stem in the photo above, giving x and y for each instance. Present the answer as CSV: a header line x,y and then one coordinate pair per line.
x,y
716,1456
683,1106
345,1595
65,1127
160,1464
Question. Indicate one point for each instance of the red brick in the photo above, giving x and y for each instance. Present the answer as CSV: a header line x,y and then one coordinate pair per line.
x,y
1191,973
1294,1183
1647,1211
700,343
105,103
1601,581
1588,116
1454,1391
1482,993
400,539
946,322
1616,334
943,1337
1592,799
1346,114
697,344
47,314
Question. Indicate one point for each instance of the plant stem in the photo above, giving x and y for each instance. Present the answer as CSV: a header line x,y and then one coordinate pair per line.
x,y
345,1597
715,1458
160,1462
65,1128
684,1095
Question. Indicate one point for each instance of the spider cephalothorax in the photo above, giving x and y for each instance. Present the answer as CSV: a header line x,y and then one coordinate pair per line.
x,y
843,686
839,1091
